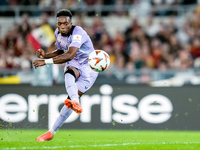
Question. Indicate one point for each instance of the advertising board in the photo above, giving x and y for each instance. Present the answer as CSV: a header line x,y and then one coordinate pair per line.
x,y
118,106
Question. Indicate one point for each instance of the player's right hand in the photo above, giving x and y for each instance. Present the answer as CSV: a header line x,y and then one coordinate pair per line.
x,y
38,63
40,53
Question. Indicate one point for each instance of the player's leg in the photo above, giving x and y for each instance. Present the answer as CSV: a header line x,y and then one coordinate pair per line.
x,y
70,82
71,75
72,102
83,84
77,84
64,114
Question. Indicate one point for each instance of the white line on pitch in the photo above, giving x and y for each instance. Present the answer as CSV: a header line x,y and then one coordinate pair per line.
x,y
101,145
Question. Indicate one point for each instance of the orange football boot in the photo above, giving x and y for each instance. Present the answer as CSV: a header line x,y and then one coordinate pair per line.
x,y
74,105
45,137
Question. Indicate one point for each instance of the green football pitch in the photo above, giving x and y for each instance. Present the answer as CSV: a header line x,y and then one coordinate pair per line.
x,y
101,139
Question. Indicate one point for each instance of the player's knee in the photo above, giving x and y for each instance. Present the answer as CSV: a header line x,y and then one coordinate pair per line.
x,y
70,71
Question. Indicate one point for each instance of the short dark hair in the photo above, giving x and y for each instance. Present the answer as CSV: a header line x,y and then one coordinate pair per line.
x,y
64,12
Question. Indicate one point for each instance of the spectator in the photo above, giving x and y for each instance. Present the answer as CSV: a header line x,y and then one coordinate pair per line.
x,y
13,2
48,3
174,44
24,27
156,52
119,9
12,62
2,57
184,60
10,41
195,48
93,2
97,28
26,60
152,27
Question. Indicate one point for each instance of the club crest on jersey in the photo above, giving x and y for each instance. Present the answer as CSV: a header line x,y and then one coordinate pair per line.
x,y
77,38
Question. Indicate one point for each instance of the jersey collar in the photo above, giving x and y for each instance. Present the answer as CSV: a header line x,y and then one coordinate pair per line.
x,y
70,32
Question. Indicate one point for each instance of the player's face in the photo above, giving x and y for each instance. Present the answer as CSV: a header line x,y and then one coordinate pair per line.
x,y
64,24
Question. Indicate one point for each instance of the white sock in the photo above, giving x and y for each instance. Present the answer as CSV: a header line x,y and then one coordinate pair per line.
x,y
64,114
71,87
52,131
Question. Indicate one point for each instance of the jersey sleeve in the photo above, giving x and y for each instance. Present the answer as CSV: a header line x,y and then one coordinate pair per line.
x,y
78,38
56,35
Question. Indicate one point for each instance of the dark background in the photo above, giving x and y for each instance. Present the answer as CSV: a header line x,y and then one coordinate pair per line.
x,y
185,101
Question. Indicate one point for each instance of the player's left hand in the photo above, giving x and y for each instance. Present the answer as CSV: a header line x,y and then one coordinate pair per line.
x,y
38,63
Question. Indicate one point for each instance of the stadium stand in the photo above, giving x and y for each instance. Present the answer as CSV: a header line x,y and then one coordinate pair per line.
x,y
146,40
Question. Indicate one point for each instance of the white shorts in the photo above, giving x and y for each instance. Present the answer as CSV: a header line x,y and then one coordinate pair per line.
x,y
87,75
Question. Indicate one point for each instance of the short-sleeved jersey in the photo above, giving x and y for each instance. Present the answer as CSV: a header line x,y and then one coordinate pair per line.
x,y
77,38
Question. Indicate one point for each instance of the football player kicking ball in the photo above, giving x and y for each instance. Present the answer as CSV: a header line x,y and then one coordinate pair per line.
x,y
79,77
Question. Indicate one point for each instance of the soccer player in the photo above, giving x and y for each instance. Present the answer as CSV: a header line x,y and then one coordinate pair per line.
x,y
74,46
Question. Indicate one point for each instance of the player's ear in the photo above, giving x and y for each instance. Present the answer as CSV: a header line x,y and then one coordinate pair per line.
x,y
57,21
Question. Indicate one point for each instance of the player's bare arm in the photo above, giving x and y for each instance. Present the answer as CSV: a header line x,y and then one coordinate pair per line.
x,y
71,53
58,59
43,55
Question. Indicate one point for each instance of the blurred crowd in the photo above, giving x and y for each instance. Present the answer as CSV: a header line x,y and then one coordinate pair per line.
x,y
117,9
67,3
155,45
16,52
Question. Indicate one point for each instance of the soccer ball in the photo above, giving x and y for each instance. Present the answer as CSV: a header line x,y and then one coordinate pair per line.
x,y
99,60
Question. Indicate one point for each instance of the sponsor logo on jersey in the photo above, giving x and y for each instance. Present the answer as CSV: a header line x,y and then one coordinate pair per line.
x,y
77,38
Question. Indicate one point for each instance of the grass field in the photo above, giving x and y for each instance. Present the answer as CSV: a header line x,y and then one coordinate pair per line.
x,y
101,139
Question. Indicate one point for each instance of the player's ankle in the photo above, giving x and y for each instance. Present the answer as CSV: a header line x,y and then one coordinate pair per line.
x,y
52,131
